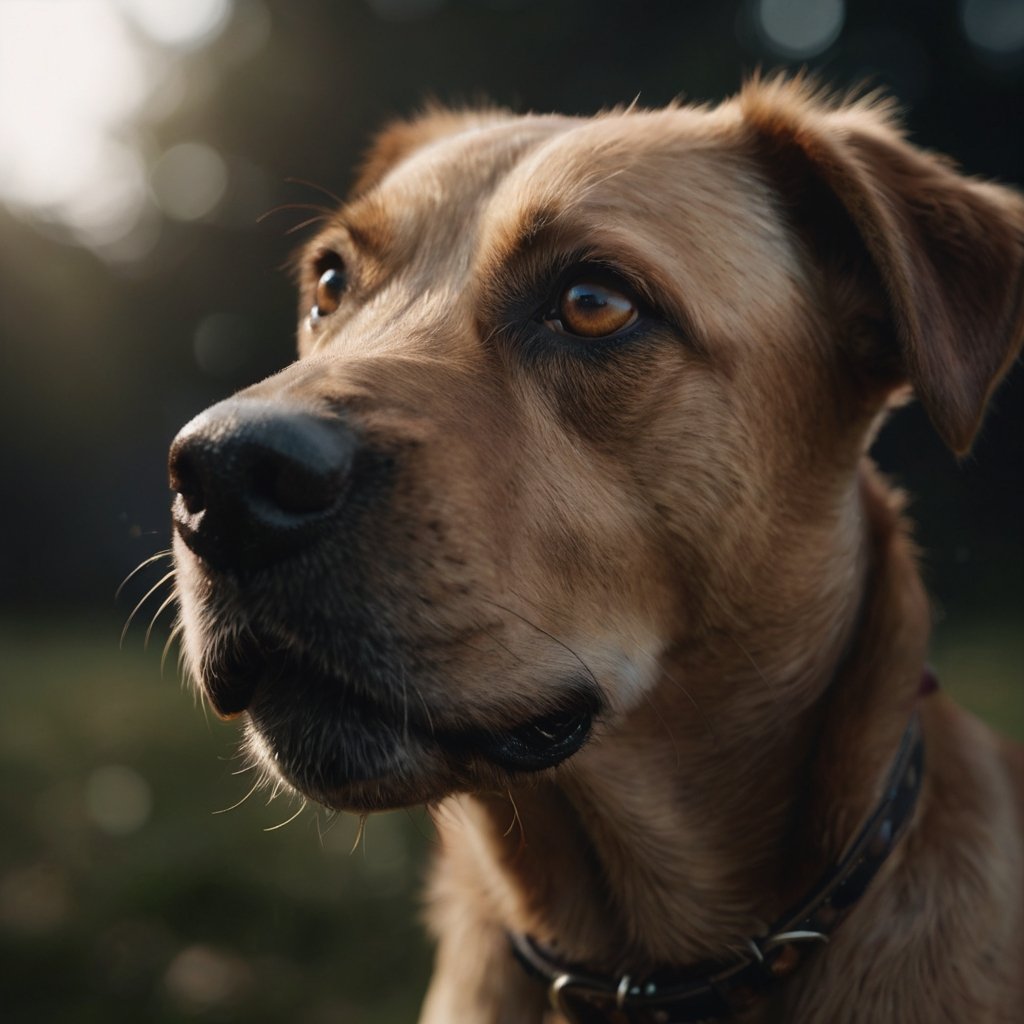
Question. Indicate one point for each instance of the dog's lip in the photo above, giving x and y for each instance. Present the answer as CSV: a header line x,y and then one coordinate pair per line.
x,y
230,681
248,679
539,743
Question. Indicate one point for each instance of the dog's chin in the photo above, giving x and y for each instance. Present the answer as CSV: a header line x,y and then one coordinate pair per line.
x,y
327,740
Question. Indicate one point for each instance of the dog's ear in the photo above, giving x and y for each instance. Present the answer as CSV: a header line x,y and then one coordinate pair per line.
x,y
946,250
402,138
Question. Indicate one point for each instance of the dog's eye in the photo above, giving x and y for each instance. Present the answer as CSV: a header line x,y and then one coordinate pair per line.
x,y
592,308
330,287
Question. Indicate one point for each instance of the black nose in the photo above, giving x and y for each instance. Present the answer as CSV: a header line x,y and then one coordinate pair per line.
x,y
257,480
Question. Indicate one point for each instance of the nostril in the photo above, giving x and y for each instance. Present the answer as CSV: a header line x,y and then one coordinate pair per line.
x,y
185,479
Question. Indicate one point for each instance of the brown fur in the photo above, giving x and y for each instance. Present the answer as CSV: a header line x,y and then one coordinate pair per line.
x,y
691,517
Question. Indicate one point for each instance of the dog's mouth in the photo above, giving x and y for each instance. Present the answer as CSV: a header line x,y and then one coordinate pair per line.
x,y
539,743
348,749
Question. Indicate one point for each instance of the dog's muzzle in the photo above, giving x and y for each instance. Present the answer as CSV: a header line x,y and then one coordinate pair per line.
x,y
282,508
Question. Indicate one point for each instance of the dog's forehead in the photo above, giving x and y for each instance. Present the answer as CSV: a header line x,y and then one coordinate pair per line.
x,y
441,185
555,161
631,168
676,187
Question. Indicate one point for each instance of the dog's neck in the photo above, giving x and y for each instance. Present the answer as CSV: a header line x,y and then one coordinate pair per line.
x,y
689,850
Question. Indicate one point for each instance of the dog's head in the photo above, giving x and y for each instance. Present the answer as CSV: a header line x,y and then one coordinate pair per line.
x,y
573,394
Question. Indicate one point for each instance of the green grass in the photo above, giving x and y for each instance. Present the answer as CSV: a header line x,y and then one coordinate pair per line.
x,y
111,912
124,897
981,664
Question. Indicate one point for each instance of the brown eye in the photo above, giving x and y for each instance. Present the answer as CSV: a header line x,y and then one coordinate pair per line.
x,y
329,289
590,309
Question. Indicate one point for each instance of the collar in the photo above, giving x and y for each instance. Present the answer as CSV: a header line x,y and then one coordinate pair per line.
x,y
711,991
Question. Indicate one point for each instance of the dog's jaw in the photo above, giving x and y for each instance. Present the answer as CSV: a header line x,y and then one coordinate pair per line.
x,y
704,836
361,737
359,755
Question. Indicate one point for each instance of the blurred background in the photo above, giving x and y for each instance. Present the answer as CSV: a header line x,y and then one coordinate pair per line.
x,y
142,144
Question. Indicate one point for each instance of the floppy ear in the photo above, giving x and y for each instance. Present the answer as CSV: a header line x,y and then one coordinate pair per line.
x,y
948,250
402,138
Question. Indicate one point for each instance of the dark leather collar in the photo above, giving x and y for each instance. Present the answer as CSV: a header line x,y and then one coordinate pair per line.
x,y
713,991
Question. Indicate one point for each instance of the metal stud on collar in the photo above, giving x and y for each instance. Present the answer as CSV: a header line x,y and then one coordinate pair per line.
x,y
783,938
622,992
558,1003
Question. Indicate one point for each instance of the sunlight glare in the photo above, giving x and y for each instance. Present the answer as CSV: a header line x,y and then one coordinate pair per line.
x,y
75,80
68,77
185,24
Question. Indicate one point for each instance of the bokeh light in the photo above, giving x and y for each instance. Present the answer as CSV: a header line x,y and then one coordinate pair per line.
x,y
189,180
800,29
76,81
118,799
201,978
60,151
34,900
185,24
994,25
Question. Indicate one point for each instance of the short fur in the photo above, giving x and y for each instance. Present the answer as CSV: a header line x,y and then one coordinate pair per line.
x,y
688,521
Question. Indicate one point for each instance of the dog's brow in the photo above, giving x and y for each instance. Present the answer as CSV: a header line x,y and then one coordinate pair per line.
x,y
534,227
367,227
552,229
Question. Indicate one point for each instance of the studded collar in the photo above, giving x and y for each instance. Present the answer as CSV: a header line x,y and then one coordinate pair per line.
x,y
710,992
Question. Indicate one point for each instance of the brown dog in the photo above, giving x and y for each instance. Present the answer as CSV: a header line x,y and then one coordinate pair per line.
x,y
563,524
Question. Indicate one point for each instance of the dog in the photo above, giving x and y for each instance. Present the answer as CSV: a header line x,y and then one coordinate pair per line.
x,y
563,524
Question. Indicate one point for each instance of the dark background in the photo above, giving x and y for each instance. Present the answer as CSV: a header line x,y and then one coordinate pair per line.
x,y
110,343
100,355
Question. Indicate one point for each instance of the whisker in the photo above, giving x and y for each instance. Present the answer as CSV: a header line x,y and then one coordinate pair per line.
x,y
169,600
322,210
142,565
302,807
516,820
426,711
515,657
176,630
149,593
332,820
316,188
360,834
306,223
533,625
235,806
705,721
